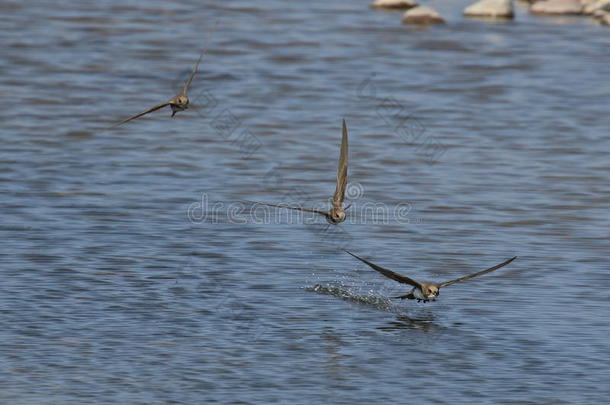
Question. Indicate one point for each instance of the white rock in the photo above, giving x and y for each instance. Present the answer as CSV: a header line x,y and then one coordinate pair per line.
x,y
490,8
557,7
593,6
605,20
422,15
394,4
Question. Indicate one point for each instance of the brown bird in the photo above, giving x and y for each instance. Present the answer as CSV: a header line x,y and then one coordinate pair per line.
x,y
336,214
180,102
425,291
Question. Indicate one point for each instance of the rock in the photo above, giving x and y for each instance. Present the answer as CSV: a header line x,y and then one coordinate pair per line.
x,y
557,7
491,9
394,4
592,6
422,15
599,14
605,20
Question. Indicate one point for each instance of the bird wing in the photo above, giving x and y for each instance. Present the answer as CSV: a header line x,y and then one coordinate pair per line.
x,y
496,267
389,273
188,81
339,195
293,208
155,108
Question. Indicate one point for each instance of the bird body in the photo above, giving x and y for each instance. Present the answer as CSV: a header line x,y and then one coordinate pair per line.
x,y
336,214
425,291
179,102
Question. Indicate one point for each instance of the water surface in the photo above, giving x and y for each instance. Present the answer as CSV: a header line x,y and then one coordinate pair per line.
x,y
122,282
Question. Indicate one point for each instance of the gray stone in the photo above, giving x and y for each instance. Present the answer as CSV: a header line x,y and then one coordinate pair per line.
x,y
422,15
490,9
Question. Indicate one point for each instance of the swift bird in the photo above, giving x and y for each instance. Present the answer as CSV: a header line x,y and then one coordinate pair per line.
x,y
179,102
425,291
336,214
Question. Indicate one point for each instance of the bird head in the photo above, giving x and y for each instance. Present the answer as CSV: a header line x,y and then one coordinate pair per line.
x,y
336,215
182,100
430,291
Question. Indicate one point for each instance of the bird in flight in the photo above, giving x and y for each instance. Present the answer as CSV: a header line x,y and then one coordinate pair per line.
x,y
425,291
336,214
179,102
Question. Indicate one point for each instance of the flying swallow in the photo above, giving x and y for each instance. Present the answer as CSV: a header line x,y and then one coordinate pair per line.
x,y
336,214
425,291
179,102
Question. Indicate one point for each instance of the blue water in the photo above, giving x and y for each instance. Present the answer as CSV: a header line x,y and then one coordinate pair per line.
x,y
135,271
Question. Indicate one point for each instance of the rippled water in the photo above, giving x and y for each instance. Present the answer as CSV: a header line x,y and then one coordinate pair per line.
x,y
133,272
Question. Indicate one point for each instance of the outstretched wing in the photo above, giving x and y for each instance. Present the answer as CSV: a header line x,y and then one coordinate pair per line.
x,y
489,270
389,273
342,170
188,81
293,208
155,108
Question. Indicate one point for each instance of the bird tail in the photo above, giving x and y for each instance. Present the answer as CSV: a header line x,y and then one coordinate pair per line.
x,y
408,296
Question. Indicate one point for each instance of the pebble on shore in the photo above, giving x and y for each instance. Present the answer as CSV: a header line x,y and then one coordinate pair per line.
x,y
556,7
394,4
591,6
599,14
491,9
422,15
